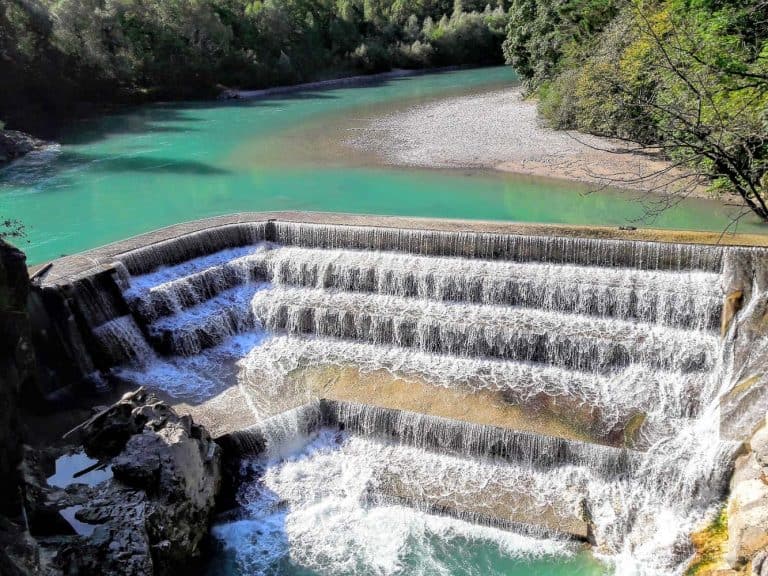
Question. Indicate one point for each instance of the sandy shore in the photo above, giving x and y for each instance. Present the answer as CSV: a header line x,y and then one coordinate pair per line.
x,y
503,131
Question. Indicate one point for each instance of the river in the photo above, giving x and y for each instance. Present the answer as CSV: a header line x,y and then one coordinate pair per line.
x,y
127,173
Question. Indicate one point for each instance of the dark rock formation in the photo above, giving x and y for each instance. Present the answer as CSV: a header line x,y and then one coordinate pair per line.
x,y
153,515
17,369
14,144
19,554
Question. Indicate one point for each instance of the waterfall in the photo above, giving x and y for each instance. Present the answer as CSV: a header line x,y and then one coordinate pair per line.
x,y
122,342
518,248
193,245
613,343
280,433
442,434
572,341
168,291
661,396
689,299
207,324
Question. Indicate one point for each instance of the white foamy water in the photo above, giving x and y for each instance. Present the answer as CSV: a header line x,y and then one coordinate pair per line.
x,y
689,298
570,340
194,378
309,511
662,396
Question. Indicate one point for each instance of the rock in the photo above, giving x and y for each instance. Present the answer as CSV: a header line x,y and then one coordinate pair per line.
x,y
108,431
15,144
731,305
17,368
748,506
745,315
154,513
759,564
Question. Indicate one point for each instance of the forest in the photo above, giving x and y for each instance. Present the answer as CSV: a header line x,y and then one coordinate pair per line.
x,y
55,54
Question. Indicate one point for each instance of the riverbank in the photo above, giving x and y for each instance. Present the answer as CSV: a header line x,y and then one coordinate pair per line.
x,y
501,130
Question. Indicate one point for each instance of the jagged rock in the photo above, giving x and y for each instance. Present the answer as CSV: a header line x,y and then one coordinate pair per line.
x,y
15,144
152,516
743,407
108,431
17,368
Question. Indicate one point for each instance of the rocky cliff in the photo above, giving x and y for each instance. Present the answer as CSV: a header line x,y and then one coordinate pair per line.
x,y
17,368
152,515
149,518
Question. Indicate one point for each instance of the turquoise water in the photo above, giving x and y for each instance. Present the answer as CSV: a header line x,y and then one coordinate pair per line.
x,y
157,165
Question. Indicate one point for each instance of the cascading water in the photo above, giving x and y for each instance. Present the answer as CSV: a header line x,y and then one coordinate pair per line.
x,y
365,329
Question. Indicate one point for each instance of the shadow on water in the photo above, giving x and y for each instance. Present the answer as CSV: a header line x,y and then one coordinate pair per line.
x,y
113,164
154,117
55,171
159,117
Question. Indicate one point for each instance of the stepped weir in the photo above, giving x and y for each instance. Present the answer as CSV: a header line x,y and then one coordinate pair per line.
x,y
530,378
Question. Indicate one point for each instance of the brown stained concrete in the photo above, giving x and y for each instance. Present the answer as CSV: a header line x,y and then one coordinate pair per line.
x,y
494,502
69,268
485,407
236,409
223,414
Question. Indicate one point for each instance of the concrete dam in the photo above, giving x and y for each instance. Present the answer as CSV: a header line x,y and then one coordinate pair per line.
x,y
591,385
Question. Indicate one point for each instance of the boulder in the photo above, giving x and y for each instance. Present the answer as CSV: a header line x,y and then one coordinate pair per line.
x,y
15,144
152,516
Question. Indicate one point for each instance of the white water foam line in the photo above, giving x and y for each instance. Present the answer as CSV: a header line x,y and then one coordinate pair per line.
x,y
660,395
179,294
489,246
313,506
688,299
568,340
207,324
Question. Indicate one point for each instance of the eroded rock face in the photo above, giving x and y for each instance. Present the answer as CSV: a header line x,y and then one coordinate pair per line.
x,y
152,516
17,368
748,508
745,317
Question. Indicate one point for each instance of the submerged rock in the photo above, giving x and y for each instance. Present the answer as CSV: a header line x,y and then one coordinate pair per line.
x,y
153,515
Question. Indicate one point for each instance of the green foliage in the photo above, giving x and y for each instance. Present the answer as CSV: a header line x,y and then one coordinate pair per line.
x,y
57,52
687,76
541,32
